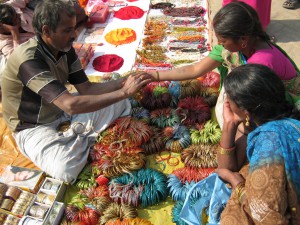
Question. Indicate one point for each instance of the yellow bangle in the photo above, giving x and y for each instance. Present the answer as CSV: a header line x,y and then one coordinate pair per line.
x,y
243,192
226,151
240,190
157,76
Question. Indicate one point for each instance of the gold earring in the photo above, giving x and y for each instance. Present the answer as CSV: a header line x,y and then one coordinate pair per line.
x,y
247,123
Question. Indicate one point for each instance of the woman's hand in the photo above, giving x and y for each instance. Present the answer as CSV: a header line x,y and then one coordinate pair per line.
x,y
234,178
228,115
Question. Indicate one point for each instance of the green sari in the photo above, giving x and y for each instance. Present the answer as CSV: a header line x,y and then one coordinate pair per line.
x,y
231,60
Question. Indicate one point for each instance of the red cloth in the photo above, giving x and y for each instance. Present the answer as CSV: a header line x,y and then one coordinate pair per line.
x,y
129,12
108,63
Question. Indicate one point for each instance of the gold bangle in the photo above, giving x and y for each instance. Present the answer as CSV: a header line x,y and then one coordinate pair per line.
x,y
241,195
240,189
157,75
226,151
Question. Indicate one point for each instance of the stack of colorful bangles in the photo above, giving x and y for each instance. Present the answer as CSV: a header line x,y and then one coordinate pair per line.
x,y
13,204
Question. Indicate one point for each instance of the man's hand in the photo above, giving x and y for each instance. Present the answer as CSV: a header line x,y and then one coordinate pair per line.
x,y
135,82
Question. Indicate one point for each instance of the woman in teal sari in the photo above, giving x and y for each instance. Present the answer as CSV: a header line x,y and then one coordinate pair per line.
x,y
267,190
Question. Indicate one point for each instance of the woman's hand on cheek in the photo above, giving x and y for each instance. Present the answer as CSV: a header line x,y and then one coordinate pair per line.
x,y
228,115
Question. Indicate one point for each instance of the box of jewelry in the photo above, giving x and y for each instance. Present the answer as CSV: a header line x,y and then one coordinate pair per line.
x,y
46,208
6,218
52,216
54,187
13,203
55,214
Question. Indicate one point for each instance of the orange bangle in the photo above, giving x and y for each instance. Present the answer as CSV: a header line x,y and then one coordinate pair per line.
x,y
159,157
173,163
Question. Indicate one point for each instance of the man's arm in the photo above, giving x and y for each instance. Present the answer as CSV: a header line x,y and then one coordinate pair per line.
x,y
89,88
92,101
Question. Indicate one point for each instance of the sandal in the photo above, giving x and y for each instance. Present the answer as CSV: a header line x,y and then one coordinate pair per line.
x,y
289,4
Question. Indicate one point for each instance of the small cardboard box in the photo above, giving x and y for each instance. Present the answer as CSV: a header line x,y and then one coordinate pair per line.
x,y
24,178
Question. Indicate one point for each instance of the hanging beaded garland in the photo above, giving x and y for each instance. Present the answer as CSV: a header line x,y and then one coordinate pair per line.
x,y
178,138
150,182
129,12
186,47
108,63
162,5
200,156
151,56
193,110
196,11
196,22
210,133
120,36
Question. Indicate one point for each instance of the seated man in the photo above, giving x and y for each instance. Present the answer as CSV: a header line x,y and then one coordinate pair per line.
x,y
52,127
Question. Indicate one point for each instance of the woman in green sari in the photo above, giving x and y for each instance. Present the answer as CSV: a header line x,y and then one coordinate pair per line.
x,y
241,40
